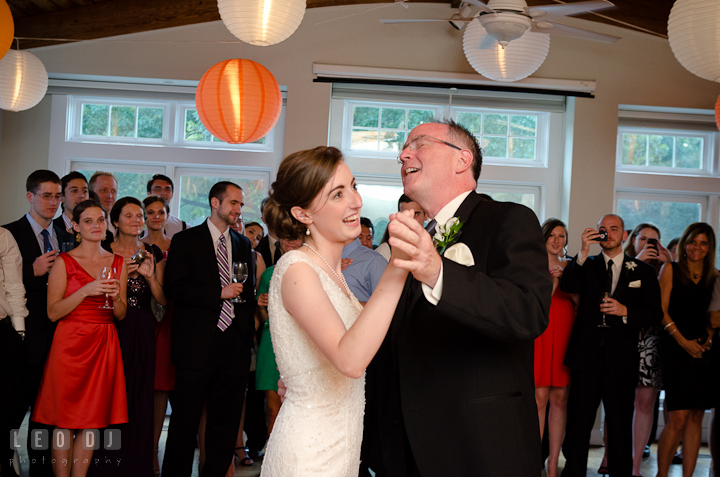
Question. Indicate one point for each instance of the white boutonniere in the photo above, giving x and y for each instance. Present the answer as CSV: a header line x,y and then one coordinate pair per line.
x,y
447,234
630,266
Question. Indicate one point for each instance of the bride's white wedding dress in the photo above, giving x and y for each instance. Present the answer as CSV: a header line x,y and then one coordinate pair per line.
x,y
318,431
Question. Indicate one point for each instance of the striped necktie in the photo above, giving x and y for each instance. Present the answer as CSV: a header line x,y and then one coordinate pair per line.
x,y
226,311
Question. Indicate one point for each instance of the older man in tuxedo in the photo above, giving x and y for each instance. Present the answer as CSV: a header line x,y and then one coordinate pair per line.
x,y
455,373
37,239
618,297
211,335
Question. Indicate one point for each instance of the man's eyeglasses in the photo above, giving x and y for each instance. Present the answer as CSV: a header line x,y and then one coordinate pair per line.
x,y
419,141
158,189
48,196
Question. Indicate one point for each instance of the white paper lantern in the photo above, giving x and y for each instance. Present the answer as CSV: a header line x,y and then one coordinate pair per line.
x,y
518,60
262,22
694,35
23,80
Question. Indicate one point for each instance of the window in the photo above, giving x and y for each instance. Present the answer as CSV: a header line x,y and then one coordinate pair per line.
x,y
122,121
131,184
379,201
383,128
677,152
672,214
194,133
527,195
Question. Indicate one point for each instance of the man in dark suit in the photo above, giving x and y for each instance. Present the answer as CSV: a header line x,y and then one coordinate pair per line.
x,y
37,239
455,373
603,348
268,247
211,335
74,188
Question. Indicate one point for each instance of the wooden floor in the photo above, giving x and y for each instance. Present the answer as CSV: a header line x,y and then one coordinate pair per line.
x,y
649,467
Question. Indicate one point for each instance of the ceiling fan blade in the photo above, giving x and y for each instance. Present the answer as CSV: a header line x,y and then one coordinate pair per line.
x,y
551,12
488,43
421,20
559,29
480,5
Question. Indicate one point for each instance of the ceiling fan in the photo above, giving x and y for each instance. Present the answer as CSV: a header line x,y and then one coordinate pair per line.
x,y
508,20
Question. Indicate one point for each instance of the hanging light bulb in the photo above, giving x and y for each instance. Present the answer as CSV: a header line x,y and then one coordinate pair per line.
x,y
262,22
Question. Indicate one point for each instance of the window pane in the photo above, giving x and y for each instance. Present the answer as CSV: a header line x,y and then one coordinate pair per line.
x,y
364,140
495,146
95,119
150,122
194,206
393,118
366,117
526,199
671,217
391,141
495,124
522,148
122,121
523,126
661,151
689,152
472,121
194,129
419,116
634,149
379,202
131,184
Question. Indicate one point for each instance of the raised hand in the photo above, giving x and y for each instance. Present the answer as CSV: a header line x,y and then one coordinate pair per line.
x,y
413,249
102,286
588,238
44,263
648,253
230,291
147,267
263,299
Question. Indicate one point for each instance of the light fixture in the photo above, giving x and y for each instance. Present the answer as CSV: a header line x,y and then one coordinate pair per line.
x,y
518,60
694,36
262,22
238,101
7,28
505,28
23,80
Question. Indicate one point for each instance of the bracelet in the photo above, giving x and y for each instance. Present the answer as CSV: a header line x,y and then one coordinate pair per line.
x,y
666,326
673,331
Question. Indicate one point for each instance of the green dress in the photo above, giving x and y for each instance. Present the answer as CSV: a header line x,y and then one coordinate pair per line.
x,y
266,372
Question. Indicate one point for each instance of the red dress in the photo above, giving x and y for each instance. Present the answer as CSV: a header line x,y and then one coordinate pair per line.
x,y
550,346
83,384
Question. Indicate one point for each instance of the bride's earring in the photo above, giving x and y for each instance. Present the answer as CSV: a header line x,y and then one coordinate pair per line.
x,y
307,231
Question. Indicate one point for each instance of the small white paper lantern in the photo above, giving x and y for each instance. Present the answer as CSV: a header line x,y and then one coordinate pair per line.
x,y
262,22
518,60
694,36
23,80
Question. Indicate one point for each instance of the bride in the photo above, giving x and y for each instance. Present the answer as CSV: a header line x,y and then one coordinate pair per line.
x,y
322,336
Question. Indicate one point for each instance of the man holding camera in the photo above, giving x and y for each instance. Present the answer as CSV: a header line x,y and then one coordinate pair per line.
x,y
619,296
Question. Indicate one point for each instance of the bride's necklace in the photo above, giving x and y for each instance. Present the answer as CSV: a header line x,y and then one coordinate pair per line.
x,y
342,279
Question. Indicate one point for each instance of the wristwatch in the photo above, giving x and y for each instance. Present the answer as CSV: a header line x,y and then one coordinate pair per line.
x,y
22,334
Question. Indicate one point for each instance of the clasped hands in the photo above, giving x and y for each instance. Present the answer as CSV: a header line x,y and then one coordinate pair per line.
x,y
413,248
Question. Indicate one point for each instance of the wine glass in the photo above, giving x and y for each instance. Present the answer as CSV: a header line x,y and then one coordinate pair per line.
x,y
240,274
606,295
108,273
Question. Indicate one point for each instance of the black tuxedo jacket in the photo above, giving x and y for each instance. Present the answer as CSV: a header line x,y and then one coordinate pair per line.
x,y
192,282
459,375
65,236
617,346
38,326
263,249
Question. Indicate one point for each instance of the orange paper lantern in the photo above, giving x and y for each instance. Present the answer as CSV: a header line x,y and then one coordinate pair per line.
x,y
7,28
238,101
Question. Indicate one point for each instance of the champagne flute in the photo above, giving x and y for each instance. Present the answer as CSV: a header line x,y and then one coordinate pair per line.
x,y
108,273
606,295
240,274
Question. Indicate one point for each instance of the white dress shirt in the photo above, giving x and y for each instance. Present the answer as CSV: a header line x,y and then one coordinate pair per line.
x,y
434,294
617,266
215,233
12,290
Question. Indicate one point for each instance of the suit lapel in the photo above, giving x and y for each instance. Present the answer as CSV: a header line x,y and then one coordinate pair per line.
x,y
208,252
29,238
623,280
414,287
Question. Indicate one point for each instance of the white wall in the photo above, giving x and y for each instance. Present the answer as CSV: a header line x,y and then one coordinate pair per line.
x,y
639,69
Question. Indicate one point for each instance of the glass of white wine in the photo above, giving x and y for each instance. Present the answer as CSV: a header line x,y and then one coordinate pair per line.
x,y
240,274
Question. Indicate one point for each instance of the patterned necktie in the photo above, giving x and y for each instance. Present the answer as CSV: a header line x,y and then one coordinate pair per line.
x,y
609,276
46,241
226,310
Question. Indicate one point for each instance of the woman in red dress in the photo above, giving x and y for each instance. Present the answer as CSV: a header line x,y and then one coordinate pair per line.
x,y
552,377
83,385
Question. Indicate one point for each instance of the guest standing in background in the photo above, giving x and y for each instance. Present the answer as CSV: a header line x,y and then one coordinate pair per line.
x,y
105,185
161,185
83,385
686,292
157,210
37,239
137,335
552,377
367,231
404,203
254,232
74,188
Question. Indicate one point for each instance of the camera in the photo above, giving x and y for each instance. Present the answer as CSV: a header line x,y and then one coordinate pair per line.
x,y
603,236
140,256
652,242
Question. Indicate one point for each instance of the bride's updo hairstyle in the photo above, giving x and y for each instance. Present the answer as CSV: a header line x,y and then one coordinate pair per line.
x,y
301,177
